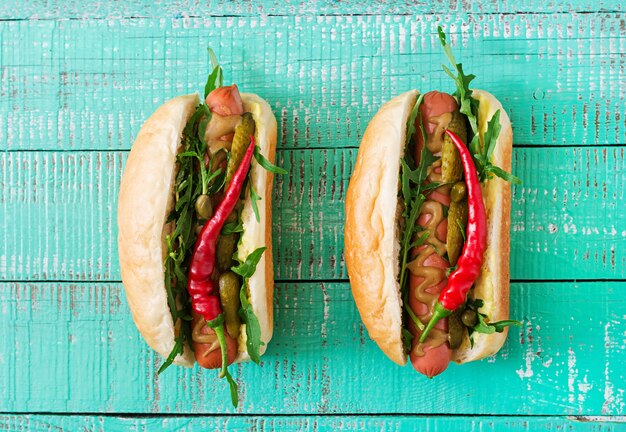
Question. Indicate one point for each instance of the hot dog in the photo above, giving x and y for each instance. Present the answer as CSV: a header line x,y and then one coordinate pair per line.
x,y
408,231
194,221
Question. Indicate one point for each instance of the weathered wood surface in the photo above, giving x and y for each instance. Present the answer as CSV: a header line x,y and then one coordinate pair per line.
x,y
60,9
555,229
77,79
89,84
308,423
72,347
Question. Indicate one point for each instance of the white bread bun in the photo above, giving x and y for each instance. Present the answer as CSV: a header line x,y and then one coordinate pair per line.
x,y
371,237
145,200
372,230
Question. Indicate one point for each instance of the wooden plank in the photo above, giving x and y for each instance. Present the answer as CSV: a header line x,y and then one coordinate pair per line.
x,y
566,360
20,423
89,84
56,9
566,218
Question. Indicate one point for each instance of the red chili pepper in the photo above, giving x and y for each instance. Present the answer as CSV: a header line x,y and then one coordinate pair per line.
x,y
471,259
204,297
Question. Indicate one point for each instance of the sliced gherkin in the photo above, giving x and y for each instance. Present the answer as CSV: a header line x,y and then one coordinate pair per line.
x,y
451,168
241,141
224,250
457,220
230,286
456,330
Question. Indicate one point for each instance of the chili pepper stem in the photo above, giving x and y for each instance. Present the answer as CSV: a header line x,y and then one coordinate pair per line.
x,y
439,313
221,337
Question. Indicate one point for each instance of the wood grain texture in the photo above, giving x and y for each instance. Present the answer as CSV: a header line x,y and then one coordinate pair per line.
x,y
20,423
567,359
58,9
89,84
65,205
78,78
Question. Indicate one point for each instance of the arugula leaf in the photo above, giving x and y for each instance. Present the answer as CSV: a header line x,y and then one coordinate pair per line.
x,y
475,304
254,197
482,326
412,189
410,125
482,156
232,228
253,328
469,107
216,77
407,339
496,327
178,349
491,135
418,323
203,125
234,395
246,269
188,186
262,160
492,169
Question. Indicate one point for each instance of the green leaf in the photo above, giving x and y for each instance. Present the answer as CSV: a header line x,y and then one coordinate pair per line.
x,y
253,328
495,327
469,107
246,269
446,48
474,304
212,58
420,240
412,189
266,163
234,395
491,135
202,129
254,197
192,154
405,180
231,228
503,174
218,182
407,339
192,123
410,125
178,349
418,323
216,77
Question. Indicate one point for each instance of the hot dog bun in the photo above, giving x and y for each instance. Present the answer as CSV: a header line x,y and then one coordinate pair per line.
x,y
372,230
145,200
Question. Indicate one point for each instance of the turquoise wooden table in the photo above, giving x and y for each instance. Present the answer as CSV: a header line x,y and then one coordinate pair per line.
x,y
78,78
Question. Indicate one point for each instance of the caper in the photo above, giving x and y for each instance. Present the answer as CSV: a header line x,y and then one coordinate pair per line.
x,y
455,331
469,318
458,192
229,297
204,208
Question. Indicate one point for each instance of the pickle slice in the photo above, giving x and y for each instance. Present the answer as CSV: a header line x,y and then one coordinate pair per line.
x,y
229,297
457,220
451,168
241,141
